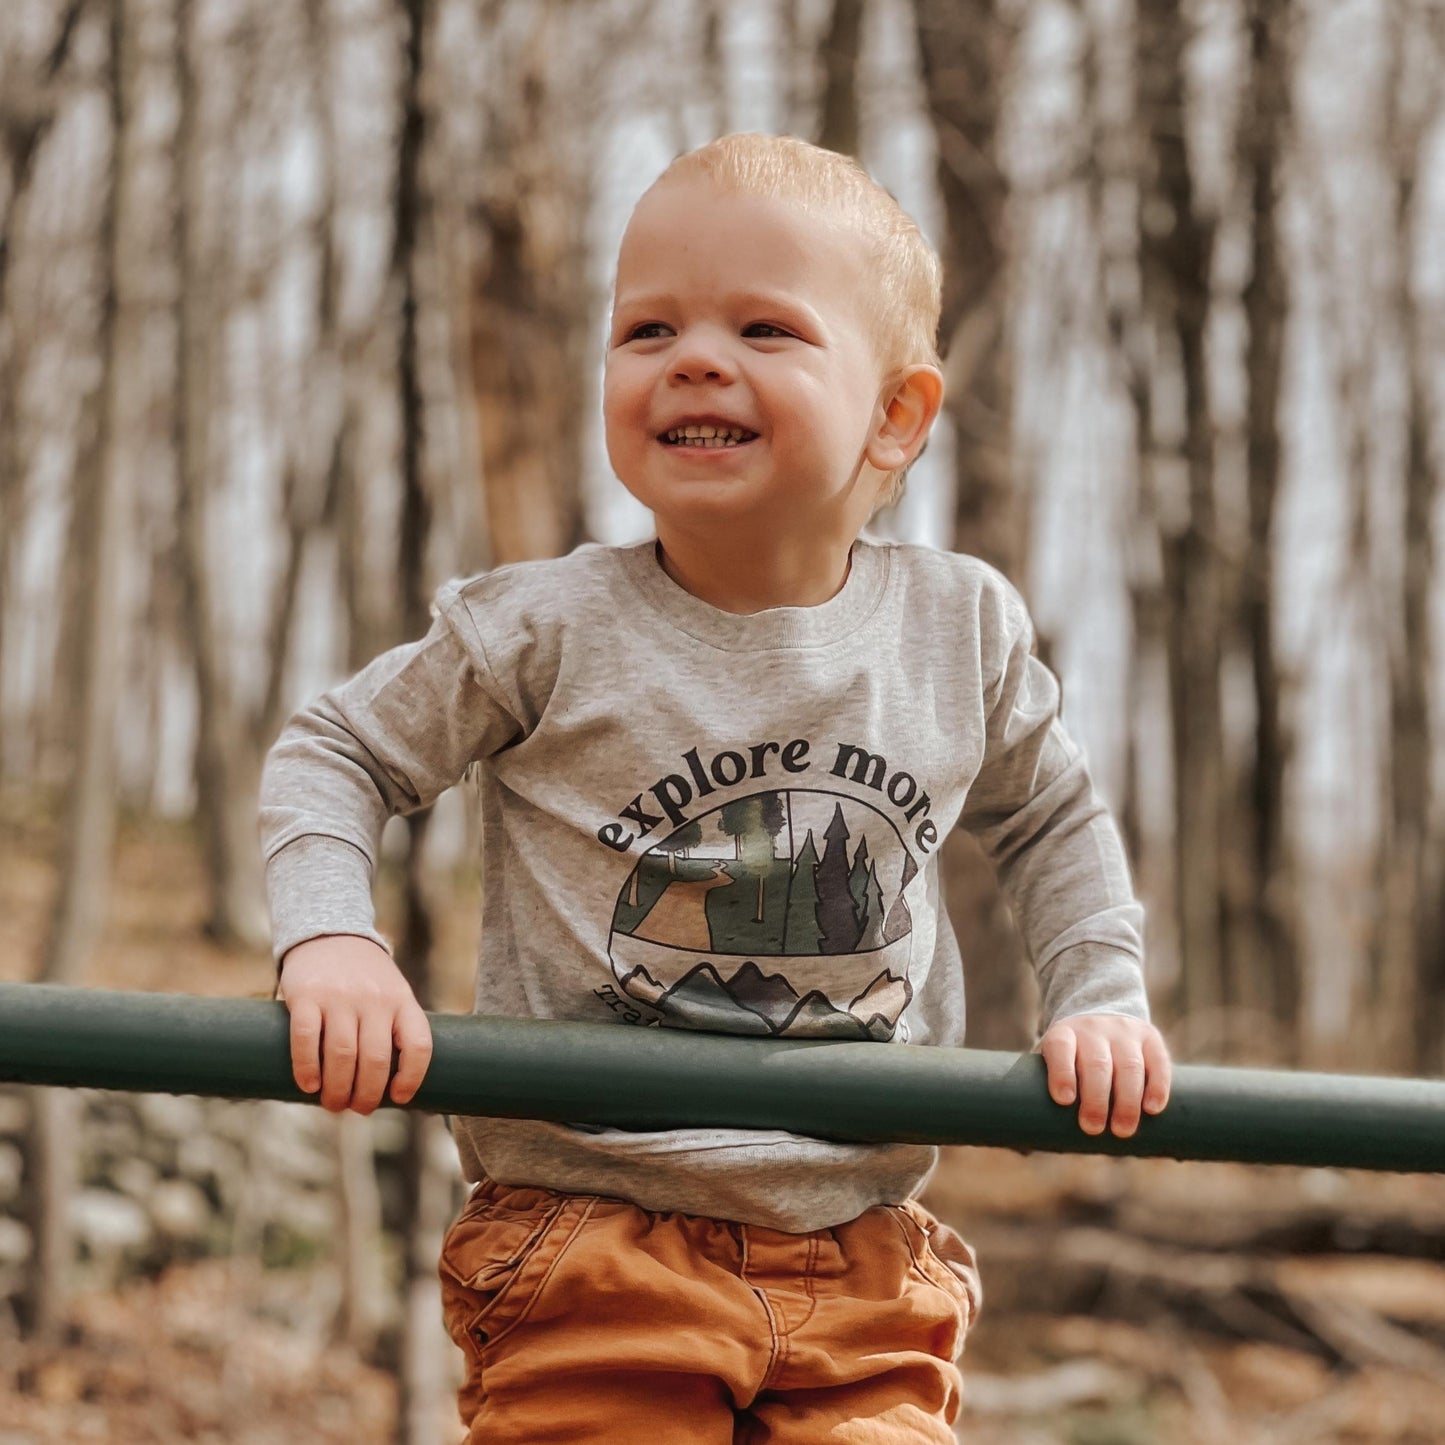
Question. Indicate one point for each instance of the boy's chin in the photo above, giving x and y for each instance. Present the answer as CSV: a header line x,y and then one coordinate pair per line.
x,y
695,496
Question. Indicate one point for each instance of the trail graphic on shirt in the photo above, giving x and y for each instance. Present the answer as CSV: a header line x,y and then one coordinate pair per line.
x,y
778,913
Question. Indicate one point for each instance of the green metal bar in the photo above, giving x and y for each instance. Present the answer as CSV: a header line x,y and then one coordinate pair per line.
x,y
657,1078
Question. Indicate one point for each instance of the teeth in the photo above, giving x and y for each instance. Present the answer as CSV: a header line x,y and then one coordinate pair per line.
x,y
706,434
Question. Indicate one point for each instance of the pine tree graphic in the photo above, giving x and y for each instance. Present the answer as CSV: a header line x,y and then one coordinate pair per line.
x,y
872,912
836,916
802,930
858,881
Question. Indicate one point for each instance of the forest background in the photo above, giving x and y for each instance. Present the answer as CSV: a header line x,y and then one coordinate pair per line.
x,y
302,309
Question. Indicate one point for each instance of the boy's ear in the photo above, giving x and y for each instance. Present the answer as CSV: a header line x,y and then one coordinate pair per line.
x,y
905,414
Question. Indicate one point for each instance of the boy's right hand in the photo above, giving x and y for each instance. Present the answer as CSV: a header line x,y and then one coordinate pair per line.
x,y
349,1003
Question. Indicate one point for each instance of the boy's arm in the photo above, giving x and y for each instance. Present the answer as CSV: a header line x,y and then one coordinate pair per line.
x,y
1061,863
388,741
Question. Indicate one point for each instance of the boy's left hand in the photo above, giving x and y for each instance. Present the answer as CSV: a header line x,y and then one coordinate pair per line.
x,y
1092,1057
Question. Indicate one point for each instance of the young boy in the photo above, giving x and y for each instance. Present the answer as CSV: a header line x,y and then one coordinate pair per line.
x,y
716,771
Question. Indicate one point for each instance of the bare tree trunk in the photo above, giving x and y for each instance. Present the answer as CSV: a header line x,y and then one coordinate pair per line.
x,y
1412,729
302,510
1112,152
714,65
367,628
838,125
228,761
411,202
100,531
420,1342
1177,245
967,53
1265,961
1409,970
28,118
794,69
424,1203
1412,785
363,1309
313,498
23,133
1353,364
369,605
318,450
528,353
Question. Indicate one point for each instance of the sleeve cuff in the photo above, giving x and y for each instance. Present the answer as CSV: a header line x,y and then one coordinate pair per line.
x,y
1093,978
319,885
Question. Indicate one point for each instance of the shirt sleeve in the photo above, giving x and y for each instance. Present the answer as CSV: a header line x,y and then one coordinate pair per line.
x,y
1057,852
388,741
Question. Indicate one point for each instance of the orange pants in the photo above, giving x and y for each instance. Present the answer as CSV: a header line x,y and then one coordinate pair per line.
x,y
589,1321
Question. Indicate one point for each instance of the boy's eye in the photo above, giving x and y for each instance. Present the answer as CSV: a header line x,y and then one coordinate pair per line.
x,y
646,331
767,326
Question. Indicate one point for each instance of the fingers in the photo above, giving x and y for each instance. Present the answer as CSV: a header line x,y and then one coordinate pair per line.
x,y
413,1041
373,1062
306,1045
1128,1088
338,1058
1159,1072
349,1004
350,1061
1117,1067
1096,1082
1059,1048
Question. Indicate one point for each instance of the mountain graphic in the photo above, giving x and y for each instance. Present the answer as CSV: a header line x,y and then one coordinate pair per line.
x,y
767,994
641,984
700,1000
887,996
759,1004
899,922
816,1018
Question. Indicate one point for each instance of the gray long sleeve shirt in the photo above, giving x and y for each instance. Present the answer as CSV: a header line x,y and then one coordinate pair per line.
x,y
695,819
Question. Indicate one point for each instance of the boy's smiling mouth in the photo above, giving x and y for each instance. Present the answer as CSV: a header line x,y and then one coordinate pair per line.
x,y
711,434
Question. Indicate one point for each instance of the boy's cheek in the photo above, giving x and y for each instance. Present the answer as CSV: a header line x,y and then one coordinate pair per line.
x,y
624,428
612,407
622,449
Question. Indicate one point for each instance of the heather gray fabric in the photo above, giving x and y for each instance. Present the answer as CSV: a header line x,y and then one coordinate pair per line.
x,y
699,820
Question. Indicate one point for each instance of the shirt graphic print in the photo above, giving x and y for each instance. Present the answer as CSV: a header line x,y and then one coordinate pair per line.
x,y
782,912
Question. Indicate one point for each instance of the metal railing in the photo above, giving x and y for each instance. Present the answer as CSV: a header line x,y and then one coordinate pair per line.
x,y
649,1078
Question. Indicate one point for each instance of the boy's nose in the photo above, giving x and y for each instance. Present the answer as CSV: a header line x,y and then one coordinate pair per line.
x,y
700,360
699,372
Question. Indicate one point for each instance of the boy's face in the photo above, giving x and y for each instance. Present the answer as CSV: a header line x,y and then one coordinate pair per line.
x,y
739,312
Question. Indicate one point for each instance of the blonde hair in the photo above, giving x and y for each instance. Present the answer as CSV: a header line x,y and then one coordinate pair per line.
x,y
903,306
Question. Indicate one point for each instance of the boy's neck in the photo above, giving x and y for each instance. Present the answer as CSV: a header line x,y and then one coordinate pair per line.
x,y
750,577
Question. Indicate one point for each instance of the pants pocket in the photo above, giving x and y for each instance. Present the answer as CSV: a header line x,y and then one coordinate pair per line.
x,y
488,1265
956,1266
945,1259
